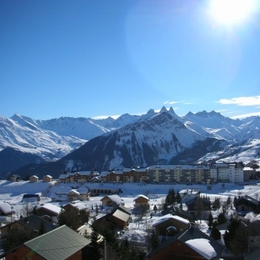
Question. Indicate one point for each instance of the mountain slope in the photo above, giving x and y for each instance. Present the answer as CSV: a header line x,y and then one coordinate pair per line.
x,y
156,140
153,138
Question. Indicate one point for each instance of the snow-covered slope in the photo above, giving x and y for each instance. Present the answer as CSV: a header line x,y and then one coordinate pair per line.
x,y
131,140
25,135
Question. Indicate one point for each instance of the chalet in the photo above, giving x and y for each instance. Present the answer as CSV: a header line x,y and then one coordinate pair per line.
x,y
75,204
246,204
49,209
169,225
86,230
141,201
188,244
15,177
33,178
31,197
53,245
29,224
176,210
191,204
104,190
6,209
134,175
47,178
115,176
66,193
78,177
188,194
116,220
112,201
73,195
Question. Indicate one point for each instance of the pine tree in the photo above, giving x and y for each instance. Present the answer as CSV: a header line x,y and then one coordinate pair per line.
x,y
95,252
178,197
42,228
236,237
154,240
221,219
210,220
170,198
199,207
215,233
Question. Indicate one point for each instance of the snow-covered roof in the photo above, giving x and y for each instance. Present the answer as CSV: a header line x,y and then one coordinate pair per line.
x,y
202,246
248,169
115,198
252,217
173,167
73,191
169,216
51,207
134,169
121,215
141,196
190,191
48,176
6,208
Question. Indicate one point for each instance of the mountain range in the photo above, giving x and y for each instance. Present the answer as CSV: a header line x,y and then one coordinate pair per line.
x,y
65,144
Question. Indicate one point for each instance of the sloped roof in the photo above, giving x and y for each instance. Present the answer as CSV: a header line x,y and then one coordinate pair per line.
x,y
51,207
189,234
124,209
253,256
6,208
58,244
34,222
115,198
121,215
202,246
141,196
168,217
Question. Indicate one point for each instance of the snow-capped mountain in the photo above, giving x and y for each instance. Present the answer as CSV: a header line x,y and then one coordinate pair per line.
x,y
153,138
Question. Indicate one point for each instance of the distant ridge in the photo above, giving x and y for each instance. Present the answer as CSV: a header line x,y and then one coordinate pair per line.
x,y
153,138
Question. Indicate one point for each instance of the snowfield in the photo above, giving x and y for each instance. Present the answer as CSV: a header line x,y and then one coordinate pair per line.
x,y
139,227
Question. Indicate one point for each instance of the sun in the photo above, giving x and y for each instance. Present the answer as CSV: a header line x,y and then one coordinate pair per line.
x,y
231,11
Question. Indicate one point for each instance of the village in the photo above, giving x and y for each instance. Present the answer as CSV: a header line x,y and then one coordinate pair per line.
x,y
161,220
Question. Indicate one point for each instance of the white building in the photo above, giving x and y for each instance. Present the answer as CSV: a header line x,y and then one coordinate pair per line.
x,y
227,172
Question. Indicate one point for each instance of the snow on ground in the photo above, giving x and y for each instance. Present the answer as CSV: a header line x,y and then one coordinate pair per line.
x,y
12,192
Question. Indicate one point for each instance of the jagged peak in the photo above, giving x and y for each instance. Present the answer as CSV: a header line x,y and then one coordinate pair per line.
x,y
190,114
150,112
171,110
163,109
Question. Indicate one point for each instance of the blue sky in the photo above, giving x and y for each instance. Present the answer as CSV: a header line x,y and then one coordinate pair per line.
x,y
91,58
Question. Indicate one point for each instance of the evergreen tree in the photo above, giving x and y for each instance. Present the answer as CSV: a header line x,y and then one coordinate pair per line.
x,y
73,218
178,197
42,228
216,203
210,220
236,237
15,237
199,207
94,250
215,233
154,240
221,219
170,198
229,202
